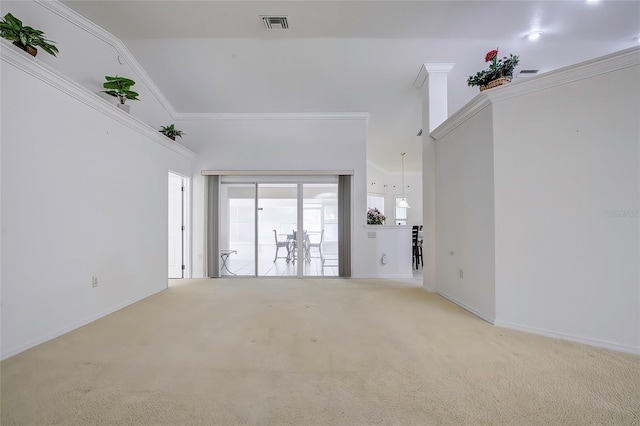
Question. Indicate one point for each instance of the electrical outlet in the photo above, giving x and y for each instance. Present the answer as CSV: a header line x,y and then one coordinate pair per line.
x,y
461,273
94,281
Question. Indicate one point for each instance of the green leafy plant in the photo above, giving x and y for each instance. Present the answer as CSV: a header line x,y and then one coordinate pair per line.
x,y
25,37
171,132
497,68
120,87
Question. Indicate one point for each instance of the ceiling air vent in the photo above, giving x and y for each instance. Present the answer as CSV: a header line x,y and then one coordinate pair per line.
x,y
275,22
527,73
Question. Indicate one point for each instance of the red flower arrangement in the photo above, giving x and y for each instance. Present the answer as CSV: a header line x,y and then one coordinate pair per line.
x,y
490,55
498,68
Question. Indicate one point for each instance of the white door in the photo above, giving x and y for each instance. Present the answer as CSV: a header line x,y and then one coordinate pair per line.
x,y
176,226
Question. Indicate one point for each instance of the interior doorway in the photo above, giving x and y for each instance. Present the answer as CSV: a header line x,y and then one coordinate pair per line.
x,y
177,227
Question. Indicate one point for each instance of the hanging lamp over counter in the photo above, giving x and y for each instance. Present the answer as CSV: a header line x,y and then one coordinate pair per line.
x,y
403,201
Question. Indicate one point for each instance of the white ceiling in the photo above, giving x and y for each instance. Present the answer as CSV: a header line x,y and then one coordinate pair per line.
x,y
350,56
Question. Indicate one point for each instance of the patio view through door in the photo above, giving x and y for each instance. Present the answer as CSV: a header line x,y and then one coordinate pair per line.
x,y
277,248
277,227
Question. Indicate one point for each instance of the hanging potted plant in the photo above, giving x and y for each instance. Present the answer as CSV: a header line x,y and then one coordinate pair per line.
x,y
500,71
171,132
25,37
120,87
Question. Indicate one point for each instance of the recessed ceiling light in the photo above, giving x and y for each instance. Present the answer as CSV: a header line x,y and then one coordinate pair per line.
x,y
534,35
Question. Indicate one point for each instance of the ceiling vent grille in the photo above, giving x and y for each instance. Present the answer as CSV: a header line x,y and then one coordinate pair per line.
x,y
275,22
527,73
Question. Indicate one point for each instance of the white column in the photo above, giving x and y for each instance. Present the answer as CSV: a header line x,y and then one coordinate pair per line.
x,y
432,81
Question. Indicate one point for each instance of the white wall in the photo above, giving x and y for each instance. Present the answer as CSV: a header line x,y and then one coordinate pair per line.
x,y
567,265
465,215
280,144
88,53
557,158
84,193
392,241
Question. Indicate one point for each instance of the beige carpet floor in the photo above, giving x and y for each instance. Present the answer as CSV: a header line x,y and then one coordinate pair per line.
x,y
312,352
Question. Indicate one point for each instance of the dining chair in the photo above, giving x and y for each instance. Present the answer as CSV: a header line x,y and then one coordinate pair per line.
x,y
280,243
293,245
416,247
317,245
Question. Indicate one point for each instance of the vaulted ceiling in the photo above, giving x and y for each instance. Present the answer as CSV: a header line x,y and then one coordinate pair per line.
x,y
350,56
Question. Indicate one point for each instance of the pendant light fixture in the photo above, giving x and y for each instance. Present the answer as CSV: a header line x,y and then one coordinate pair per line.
x,y
403,201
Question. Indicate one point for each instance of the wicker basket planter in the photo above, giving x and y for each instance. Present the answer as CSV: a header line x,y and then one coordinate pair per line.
x,y
495,83
29,49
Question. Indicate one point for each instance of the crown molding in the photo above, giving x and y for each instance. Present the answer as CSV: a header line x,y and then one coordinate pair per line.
x,y
275,116
32,66
583,70
473,107
377,167
90,27
390,173
276,172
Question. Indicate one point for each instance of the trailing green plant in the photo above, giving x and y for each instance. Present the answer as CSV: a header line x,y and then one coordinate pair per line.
x,y
11,28
171,132
120,87
497,68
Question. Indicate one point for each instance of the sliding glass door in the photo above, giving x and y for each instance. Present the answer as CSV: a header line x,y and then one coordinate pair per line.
x,y
320,227
277,246
278,227
237,230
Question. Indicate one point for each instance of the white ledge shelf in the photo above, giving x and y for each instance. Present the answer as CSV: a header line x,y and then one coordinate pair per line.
x,y
602,65
13,56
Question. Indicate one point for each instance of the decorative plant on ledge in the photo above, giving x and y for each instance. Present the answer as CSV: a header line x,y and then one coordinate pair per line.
x,y
171,132
374,217
120,87
25,37
500,70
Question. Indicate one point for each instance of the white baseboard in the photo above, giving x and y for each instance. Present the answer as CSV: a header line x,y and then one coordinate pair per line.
x,y
383,276
570,337
65,330
471,309
547,333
